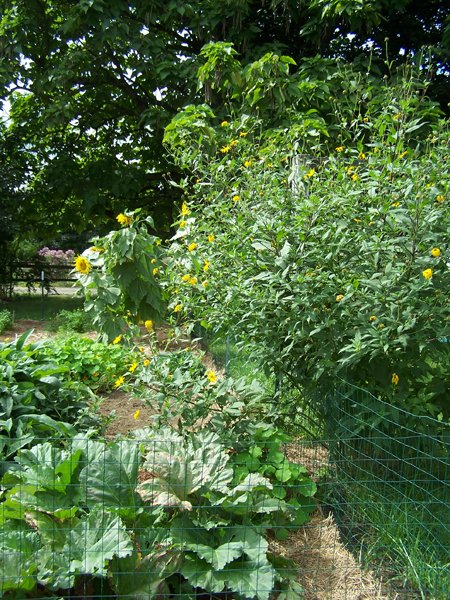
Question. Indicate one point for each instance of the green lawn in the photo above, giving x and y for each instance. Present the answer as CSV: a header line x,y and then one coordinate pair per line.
x,y
33,306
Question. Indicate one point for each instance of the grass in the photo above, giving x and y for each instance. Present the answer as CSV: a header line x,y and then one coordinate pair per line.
x,y
403,535
34,307
392,507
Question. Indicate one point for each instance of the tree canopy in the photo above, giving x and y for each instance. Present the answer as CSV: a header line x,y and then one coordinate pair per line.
x,y
91,85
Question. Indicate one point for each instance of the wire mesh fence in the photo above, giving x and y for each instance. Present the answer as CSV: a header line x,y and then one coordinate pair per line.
x,y
357,510
391,490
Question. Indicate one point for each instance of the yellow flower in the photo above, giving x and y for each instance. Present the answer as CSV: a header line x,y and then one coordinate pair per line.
x,y
153,261
212,377
225,149
366,119
311,172
158,242
206,265
184,209
224,123
211,238
362,156
133,367
397,117
372,318
234,143
428,273
357,220
192,247
395,204
136,414
117,339
340,149
355,177
82,265
247,163
435,252
186,277
204,283
183,224
440,198
96,249
146,362
119,381
395,378
148,325
350,169
193,280
236,198
155,271
243,134
141,349
124,220
339,297
403,154
177,308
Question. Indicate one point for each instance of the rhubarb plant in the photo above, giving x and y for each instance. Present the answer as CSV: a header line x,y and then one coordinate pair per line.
x,y
163,512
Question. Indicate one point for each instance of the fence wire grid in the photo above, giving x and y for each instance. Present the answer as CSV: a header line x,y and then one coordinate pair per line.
x,y
360,514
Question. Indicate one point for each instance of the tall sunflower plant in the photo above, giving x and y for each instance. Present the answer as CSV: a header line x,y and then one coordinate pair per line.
x,y
119,276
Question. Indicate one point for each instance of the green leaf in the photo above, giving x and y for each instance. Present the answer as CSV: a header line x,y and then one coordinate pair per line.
x,y
250,579
18,545
96,540
181,467
110,475
200,574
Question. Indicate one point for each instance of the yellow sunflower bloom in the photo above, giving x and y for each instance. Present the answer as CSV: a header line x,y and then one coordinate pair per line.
x,y
82,265
124,220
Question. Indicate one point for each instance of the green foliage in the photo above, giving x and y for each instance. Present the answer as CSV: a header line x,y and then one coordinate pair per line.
x,y
119,276
6,320
70,321
51,524
327,265
191,521
95,364
92,132
37,398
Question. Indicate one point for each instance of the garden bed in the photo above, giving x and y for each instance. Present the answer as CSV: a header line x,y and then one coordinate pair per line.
x,y
326,569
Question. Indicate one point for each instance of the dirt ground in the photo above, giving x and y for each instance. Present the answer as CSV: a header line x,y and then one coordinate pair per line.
x,y
326,568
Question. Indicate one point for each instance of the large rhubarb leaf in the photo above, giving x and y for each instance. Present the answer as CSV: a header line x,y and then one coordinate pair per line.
x,y
18,544
96,540
48,467
181,467
110,476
